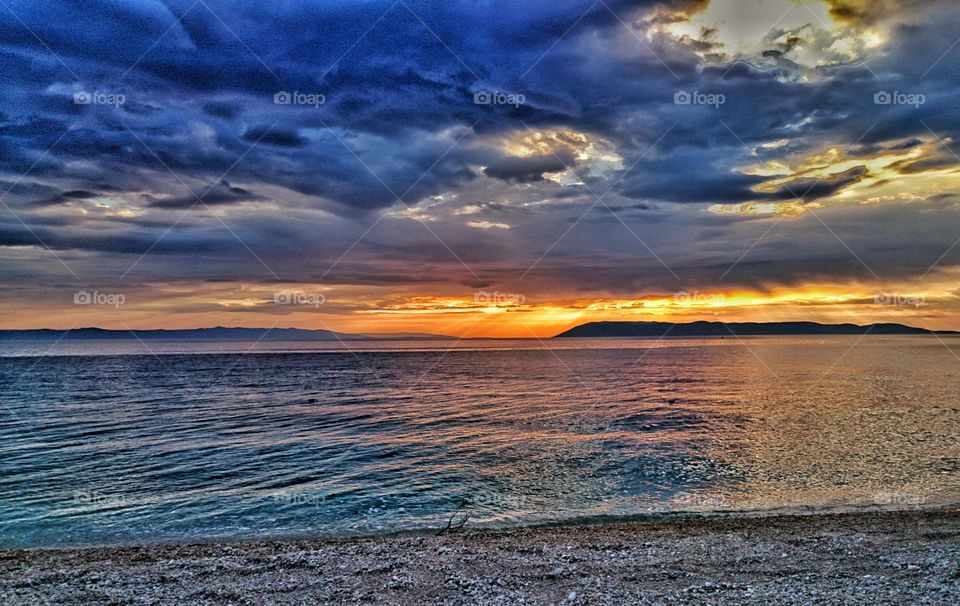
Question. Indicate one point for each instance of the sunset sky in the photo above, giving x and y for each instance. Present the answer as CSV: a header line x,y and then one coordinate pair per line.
x,y
481,168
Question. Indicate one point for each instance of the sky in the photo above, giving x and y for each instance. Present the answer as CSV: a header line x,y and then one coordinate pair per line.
x,y
481,168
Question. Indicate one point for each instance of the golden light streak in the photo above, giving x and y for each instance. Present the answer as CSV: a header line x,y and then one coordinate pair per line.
x,y
933,302
786,209
914,172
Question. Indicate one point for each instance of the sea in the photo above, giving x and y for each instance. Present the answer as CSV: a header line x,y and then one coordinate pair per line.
x,y
127,442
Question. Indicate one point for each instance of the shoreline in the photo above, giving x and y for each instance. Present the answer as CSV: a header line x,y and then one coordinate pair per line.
x,y
859,557
473,528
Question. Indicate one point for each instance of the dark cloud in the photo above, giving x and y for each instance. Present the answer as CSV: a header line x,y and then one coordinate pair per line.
x,y
809,190
220,109
871,11
66,197
274,136
399,120
909,144
529,169
217,195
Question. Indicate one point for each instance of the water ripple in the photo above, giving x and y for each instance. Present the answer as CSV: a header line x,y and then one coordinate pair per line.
x,y
121,447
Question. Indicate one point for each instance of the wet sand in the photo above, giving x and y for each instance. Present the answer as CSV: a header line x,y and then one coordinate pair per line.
x,y
858,558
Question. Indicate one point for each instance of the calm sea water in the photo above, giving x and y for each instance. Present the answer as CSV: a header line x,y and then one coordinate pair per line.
x,y
114,443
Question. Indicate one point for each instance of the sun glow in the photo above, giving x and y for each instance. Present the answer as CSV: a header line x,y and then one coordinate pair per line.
x,y
912,170
588,153
793,34
519,317
933,302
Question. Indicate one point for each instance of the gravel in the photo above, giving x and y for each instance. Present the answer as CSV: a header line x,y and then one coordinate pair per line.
x,y
861,558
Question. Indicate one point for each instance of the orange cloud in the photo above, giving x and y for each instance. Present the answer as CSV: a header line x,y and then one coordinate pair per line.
x,y
934,303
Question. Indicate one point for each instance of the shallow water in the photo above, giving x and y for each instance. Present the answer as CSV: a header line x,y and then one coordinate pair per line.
x,y
120,442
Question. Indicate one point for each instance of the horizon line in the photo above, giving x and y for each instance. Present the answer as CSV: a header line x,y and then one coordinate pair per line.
x,y
427,335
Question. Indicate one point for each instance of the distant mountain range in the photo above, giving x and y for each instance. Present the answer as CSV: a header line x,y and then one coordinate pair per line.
x,y
218,333
591,329
721,329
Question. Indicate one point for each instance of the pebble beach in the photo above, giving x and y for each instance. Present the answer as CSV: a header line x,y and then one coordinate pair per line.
x,y
910,557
